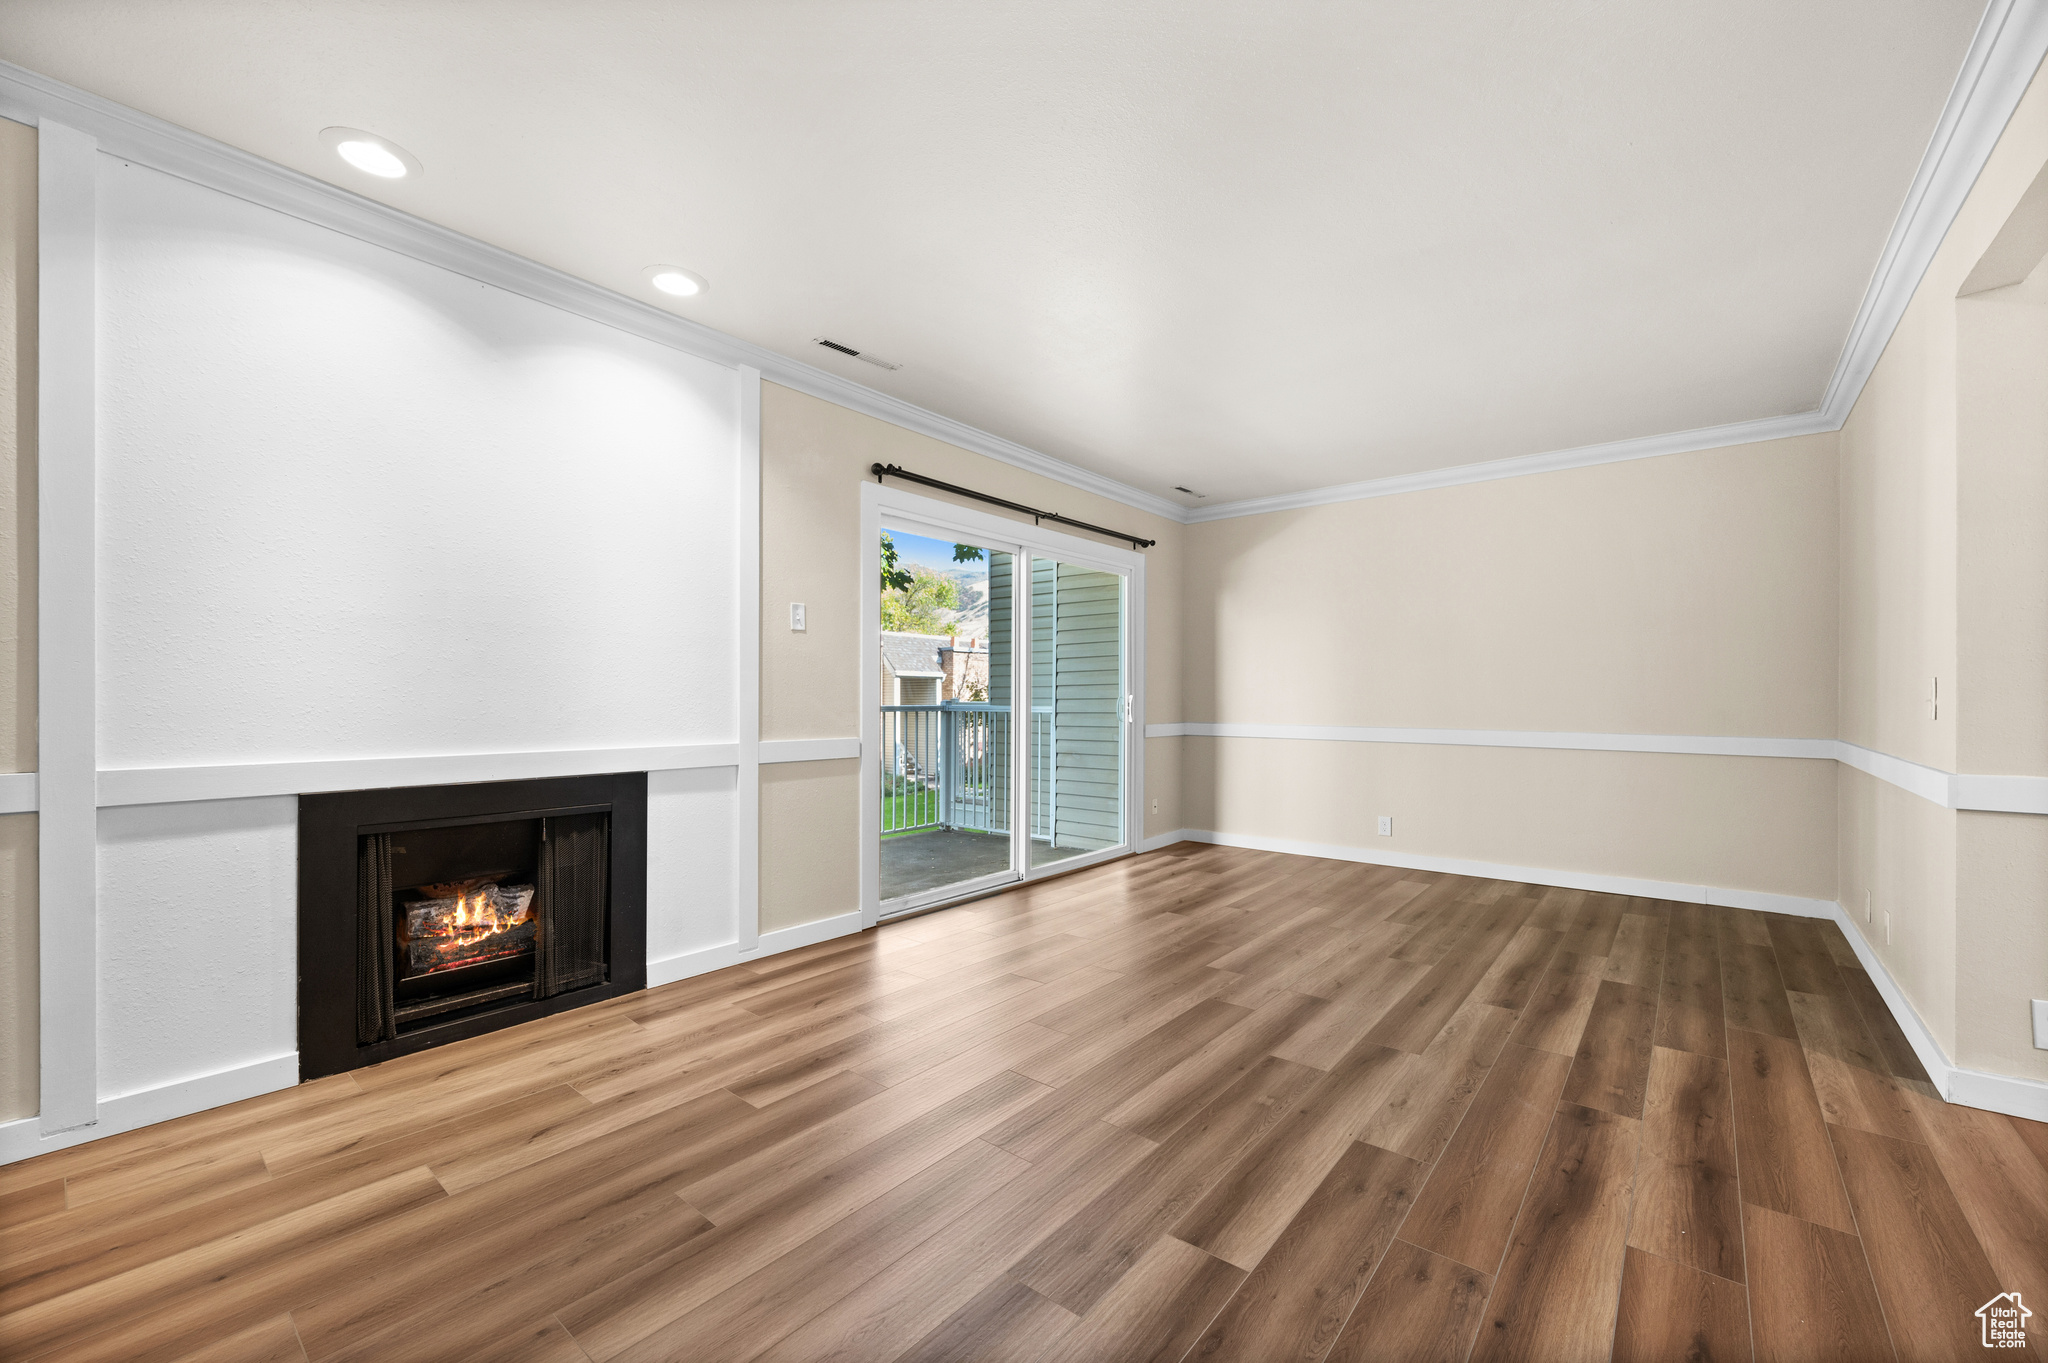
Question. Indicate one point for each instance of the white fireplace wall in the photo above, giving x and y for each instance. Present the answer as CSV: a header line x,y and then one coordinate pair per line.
x,y
354,505
20,1027
359,519
692,834
197,922
197,940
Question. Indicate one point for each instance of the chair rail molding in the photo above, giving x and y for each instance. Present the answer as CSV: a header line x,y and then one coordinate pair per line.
x,y
239,781
1950,790
809,749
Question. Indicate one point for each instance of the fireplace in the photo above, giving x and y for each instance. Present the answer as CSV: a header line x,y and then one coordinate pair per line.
x,y
432,913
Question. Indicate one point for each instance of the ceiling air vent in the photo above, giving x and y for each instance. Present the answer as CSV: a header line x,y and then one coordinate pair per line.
x,y
862,356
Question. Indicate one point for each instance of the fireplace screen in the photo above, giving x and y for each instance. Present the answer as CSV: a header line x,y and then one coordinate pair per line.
x,y
463,916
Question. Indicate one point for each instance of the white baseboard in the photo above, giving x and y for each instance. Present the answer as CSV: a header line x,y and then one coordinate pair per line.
x,y
1998,1093
1973,1088
1531,875
672,968
22,1139
2004,1093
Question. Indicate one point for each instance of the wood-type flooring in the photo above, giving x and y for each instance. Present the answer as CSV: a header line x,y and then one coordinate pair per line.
x,y
1199,1104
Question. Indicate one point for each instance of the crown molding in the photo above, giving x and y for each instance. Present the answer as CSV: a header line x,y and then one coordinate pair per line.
x,y
2003,56
29,97
1613,452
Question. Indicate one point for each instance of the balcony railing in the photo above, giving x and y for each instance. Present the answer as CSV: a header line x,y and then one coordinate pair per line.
x,y
948,766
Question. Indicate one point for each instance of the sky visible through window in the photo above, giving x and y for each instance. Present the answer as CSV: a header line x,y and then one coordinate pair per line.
x,y
936,555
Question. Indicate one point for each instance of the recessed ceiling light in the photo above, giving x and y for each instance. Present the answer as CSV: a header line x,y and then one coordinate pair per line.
x,y
675,280
371,154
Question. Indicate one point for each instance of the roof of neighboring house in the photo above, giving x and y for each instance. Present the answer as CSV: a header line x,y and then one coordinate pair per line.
x,y
917,655
912,655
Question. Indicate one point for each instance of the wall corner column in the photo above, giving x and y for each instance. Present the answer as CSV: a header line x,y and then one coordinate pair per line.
x,y
747,883
67,655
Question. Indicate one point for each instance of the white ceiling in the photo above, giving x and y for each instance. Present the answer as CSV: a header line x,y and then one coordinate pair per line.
x,y
1252,248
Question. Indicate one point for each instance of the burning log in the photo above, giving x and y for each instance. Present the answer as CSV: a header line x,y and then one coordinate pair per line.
x,y
427,954
489,907
464,923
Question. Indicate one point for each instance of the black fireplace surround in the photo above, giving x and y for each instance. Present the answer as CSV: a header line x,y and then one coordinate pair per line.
x,y
432,913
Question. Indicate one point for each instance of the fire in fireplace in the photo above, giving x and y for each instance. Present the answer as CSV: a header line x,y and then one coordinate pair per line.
x,y
467,922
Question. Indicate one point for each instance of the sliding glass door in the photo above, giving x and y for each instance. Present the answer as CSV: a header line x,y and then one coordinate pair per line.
x,y
1075,779
1004,712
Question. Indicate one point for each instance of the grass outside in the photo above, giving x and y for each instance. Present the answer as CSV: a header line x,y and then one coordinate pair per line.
x,y
910,811
908,807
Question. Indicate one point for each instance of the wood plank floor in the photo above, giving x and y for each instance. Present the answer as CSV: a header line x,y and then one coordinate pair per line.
x,y
1201,1104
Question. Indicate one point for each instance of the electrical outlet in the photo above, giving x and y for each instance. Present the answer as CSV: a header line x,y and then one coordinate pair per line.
x,y
2041,1024
1866,906
1934,700
1386,825
1155,806
1887,927
796,617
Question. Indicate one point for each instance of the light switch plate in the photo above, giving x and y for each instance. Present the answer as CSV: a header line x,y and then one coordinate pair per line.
x,y
796,616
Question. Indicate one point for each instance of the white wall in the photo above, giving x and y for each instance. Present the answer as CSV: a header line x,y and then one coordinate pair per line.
x,y
692,830
198,940
354,505
20,964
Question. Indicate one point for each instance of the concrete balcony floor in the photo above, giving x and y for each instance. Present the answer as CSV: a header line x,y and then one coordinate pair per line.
x,y
915,862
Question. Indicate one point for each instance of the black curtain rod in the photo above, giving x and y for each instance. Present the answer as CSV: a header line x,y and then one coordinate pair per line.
x,y
892,471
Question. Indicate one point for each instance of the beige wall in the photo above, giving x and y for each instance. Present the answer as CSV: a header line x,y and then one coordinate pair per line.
x,y
1746,823
19,967
814,457
2001,889
2001,691
1896,854
1944,516
810,841
2001,948
1900,531
1690,594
